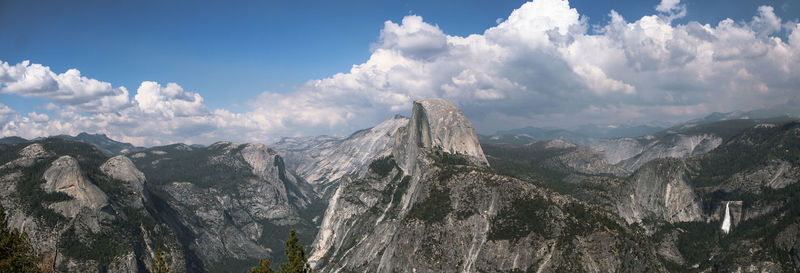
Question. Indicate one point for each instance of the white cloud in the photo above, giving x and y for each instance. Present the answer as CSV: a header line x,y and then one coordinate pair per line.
x,y
766,22
169,101
540,66
413,37
36,117
672,8
667,5
68,88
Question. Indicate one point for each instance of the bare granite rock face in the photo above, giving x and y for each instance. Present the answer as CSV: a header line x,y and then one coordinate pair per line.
x,y
775,174
34,150
29,156
583,160
630,153
437,124
123,169
618,149
323,160
660,190
65,175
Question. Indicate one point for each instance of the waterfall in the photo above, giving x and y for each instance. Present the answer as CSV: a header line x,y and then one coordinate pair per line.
x,y
726,224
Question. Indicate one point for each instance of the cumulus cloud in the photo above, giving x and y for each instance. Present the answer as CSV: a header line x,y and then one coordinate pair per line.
x,y
540,66
168,101
68,88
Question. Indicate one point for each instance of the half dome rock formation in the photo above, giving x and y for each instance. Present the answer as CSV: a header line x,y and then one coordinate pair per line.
x,y
437,124
64,175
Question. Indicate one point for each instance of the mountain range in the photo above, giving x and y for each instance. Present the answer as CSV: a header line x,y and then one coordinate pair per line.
x,y
422,194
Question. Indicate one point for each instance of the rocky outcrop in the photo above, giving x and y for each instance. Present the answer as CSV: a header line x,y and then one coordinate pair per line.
x,y
630,154
65,175
660,190
29,155
774,174
584,160
35,150
618,149
322,160
437,124
122,168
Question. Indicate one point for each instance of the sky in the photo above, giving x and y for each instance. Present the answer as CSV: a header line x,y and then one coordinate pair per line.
x,y
159,72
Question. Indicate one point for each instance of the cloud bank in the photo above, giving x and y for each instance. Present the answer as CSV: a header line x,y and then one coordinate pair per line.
x,y
543,66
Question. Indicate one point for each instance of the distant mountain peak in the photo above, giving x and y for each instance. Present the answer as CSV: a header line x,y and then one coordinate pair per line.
x,y
105,144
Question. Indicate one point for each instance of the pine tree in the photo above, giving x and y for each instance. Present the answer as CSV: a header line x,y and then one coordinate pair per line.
x,y
296,256
160,265
263,267
16,253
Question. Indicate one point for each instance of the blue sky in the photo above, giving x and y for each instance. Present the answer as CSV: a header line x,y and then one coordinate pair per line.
x,y
231,52
228,52
236,54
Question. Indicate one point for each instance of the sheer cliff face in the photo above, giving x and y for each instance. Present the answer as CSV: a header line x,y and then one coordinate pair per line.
x,y
434,206
437,124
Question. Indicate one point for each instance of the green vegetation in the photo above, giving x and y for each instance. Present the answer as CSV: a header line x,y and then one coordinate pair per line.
x,y
34,199
196,166
747,150
101,247
9,152
383,166
450,159
697,241
115,237
519,219
16,253
434,208
295,256
263,267
528,163
585,220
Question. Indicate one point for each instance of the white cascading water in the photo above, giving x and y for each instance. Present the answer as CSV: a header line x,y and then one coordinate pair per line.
x,y
726,223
